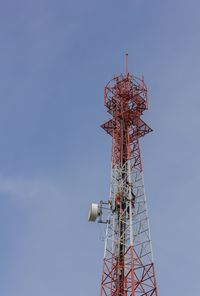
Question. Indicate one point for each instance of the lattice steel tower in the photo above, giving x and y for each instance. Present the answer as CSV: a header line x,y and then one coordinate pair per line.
x,y
128,266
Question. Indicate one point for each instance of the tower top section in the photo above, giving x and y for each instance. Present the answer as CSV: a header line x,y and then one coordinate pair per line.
x,y
125,98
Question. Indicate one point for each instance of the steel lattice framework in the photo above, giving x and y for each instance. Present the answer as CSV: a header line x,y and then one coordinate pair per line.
x,y
128,267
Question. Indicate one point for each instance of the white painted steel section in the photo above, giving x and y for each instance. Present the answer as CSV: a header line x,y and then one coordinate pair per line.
x,y
145,198
130,203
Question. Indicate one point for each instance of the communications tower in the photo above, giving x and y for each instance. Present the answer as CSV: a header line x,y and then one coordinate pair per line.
x,y
128,266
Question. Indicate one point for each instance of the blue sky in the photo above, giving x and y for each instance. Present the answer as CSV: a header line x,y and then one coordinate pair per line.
x,y
55,58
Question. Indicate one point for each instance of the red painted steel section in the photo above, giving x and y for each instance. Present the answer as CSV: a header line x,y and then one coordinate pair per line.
x,y
126,100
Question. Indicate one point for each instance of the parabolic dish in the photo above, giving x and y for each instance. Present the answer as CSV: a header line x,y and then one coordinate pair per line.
x,y
94,212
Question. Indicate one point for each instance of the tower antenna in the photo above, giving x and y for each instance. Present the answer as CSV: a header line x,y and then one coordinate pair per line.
x,y
126,62
128,266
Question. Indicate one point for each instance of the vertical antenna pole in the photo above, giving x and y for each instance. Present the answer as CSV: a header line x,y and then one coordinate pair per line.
x,y
126,63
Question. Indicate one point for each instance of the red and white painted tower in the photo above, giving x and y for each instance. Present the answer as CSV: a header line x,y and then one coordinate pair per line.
x,y
128,266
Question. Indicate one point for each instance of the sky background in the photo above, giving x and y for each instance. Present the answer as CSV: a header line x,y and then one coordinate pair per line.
x,y
55,58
